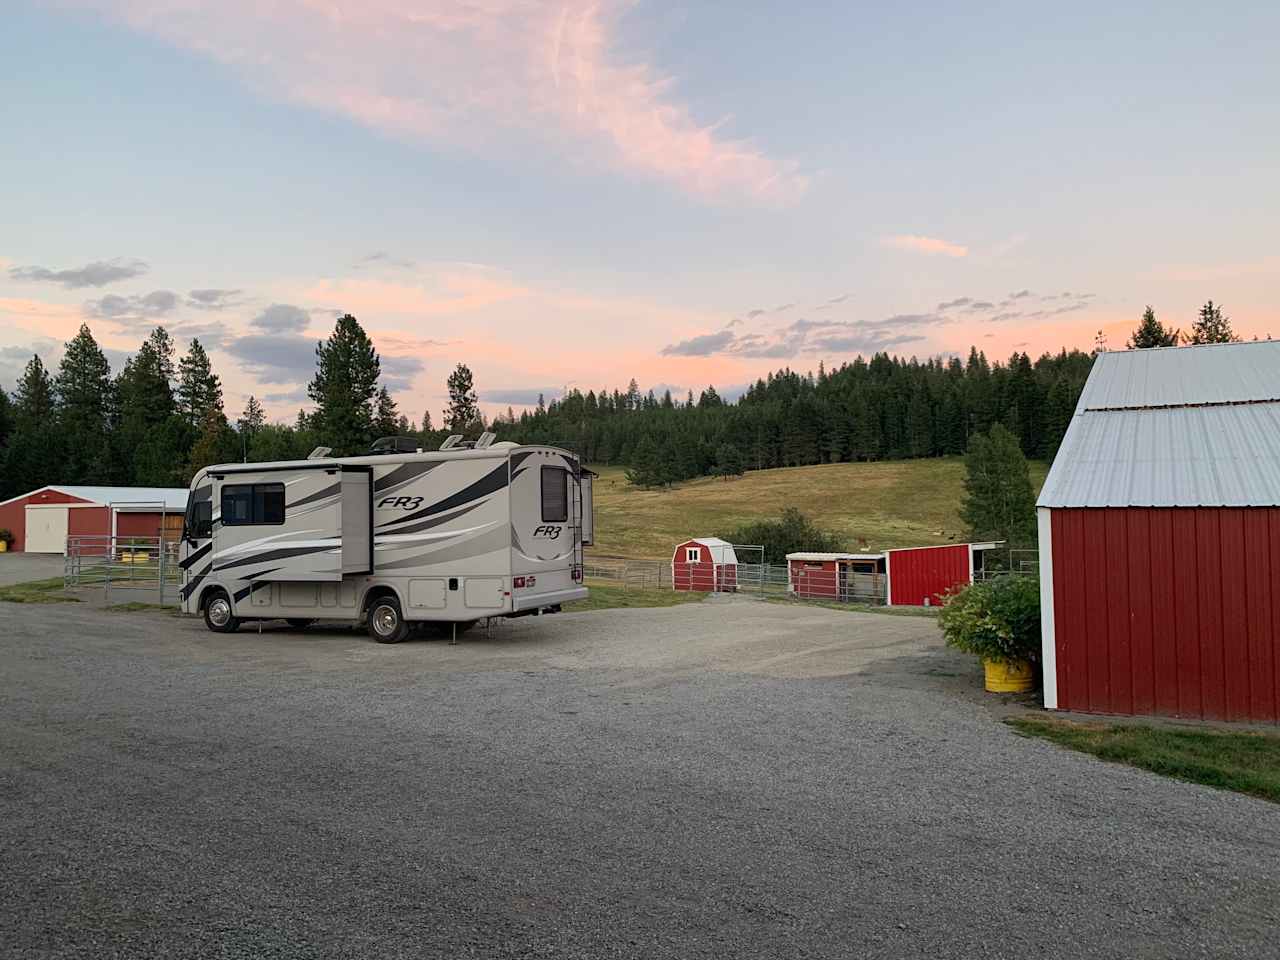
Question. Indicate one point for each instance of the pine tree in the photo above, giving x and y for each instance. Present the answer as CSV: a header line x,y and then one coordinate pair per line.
x,y
1212,326
6,421
386,418
84,405
254,417
216,443
344,386
464,404
34,456
919,425
199,388
1059,407
729,461
426,421
1152,333
645,470
999,501
151,441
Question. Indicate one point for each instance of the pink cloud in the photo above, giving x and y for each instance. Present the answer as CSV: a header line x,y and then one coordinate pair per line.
x,y
463,73
446,295
931,245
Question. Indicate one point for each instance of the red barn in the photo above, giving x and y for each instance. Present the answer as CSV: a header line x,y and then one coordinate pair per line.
x,y
707,564
42,520
1160,538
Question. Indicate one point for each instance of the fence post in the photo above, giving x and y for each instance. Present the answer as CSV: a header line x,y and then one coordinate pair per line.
x,y
161,548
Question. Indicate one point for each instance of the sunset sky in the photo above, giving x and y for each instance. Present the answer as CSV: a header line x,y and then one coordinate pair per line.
x,y
574,194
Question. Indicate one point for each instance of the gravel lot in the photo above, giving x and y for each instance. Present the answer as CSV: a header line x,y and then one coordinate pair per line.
x,y
727,779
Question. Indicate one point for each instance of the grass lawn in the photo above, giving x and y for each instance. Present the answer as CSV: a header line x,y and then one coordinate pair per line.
x,y
607,596
1244,762
37,591
900,503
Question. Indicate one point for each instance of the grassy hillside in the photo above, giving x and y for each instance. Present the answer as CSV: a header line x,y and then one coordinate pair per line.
x,y
899,503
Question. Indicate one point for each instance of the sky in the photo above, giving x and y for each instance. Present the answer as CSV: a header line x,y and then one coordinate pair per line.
x,y
573,194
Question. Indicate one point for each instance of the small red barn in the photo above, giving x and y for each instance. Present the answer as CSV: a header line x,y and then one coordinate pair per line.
x,y
1159,532
42,520
707,564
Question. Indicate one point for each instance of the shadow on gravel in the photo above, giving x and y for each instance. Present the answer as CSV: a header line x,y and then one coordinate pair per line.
x,y
948,673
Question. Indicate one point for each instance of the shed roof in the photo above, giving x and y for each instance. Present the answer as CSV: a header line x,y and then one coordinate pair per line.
x,y
1174,427
830,557
721,550
173,498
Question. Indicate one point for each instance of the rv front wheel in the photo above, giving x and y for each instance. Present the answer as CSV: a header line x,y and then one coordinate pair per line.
x,y
386,623
219,616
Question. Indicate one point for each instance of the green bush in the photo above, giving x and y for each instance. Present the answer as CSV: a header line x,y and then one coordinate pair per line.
x,y
793,532
7,536
996,619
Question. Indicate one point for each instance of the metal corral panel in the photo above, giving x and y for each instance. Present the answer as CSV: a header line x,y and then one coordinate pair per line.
x,y
1174,612
1180,457
927,573
1183,376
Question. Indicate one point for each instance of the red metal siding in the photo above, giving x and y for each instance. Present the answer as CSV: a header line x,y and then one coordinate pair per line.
x,y
1174,612
129,524
813,578
704,576
926,572
691,576
14,515
89,522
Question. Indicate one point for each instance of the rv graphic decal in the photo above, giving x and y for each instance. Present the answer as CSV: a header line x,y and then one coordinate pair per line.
x,y
403,503
546,533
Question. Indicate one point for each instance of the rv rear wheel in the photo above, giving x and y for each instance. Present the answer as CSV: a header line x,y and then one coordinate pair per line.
x,y
219,615
386,622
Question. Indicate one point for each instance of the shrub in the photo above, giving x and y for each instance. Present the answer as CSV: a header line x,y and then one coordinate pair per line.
x,y
793,532
995,619
7,536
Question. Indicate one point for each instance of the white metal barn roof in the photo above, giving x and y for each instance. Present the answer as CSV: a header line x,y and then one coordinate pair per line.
x,y
173,498
721,550
1174,427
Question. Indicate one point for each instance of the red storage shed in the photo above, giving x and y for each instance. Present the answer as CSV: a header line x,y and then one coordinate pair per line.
x,y
707,564
815,575
1159,532
42,520
919,576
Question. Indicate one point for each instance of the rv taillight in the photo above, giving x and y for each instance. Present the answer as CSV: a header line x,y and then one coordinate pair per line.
x,y
577,574
518,582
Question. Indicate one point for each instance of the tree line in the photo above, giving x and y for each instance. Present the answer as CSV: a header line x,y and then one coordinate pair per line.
x,y
162,417
885,408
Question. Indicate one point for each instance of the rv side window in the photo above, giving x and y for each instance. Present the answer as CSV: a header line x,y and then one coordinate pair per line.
x,y
252,503
200,520
555,495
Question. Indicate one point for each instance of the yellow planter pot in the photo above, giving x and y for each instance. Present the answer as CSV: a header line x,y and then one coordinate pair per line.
x,y
4,546
1015,677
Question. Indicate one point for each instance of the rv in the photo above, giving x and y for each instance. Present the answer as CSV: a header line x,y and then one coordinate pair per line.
x,y
400,538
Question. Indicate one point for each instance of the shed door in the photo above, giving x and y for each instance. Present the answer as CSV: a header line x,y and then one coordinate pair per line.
x,y
46,529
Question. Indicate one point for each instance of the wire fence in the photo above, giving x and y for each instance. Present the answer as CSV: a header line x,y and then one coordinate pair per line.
x,y
137,569
818,581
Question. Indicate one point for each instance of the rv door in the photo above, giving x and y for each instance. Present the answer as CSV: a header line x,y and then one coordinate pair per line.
x,y
357,520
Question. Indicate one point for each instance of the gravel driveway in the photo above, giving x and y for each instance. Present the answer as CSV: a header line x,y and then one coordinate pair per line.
x,y
726,779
